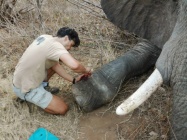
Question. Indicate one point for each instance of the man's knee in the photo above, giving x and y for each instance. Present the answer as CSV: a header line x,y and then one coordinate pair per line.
x,y
63,110
57,106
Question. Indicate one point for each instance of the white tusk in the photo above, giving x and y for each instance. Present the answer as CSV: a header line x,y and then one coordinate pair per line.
x,y
142,94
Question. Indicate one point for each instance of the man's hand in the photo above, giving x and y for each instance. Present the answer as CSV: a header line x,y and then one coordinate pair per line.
x,y
83,76
88,72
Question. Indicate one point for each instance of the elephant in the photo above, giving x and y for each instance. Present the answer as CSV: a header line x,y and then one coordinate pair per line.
x,y
163,26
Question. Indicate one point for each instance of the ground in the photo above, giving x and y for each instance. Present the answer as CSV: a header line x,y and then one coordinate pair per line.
x,y
101,42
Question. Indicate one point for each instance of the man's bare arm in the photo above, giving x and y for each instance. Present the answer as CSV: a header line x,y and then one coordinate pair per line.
x,y
60,71
73,64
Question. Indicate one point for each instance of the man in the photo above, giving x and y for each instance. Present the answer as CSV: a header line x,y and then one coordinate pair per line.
x,y
39,62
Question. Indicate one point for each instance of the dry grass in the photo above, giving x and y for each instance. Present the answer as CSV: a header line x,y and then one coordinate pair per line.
x,y
101,43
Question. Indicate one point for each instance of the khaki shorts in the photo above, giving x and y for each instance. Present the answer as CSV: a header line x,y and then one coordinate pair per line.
x,y
38,96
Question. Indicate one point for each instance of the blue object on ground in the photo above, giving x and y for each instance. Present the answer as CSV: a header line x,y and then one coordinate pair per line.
x,y
42,134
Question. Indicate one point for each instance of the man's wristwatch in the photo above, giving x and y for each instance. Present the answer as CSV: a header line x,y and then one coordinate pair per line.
x,y
73,80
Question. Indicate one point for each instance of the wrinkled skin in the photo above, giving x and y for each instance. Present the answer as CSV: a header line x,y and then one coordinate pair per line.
x,y
104,83
164,24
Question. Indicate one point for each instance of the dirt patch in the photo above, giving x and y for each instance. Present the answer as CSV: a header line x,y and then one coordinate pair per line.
x,y
103,125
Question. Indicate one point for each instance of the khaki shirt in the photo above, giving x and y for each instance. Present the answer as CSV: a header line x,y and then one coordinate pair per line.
x,y
42,54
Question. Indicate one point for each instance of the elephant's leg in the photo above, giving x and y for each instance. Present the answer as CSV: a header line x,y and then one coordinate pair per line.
x,y
104,83
149,19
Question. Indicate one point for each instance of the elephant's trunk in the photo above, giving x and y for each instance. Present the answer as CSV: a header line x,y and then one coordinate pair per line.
x,y
178,80
179,109
104,83
142,94
172,65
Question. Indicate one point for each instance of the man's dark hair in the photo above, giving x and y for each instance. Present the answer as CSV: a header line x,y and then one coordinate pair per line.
x,y
71,33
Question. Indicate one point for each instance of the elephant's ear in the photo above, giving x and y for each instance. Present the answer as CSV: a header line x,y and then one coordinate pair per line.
x,y
151,19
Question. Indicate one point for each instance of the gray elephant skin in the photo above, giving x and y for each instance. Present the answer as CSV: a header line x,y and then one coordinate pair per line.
x,y
163,25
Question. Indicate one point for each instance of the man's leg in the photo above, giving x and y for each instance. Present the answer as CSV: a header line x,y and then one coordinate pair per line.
x,y
44,99
53,90
50,103
57,106
50,73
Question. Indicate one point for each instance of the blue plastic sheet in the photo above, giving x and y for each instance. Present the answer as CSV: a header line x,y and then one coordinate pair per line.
x,y
43,134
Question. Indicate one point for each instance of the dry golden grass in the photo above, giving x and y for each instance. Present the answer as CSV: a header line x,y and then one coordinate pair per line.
x,y
101,42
